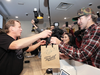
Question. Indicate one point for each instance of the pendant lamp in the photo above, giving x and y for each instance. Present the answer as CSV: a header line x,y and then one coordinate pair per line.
x,y
40,14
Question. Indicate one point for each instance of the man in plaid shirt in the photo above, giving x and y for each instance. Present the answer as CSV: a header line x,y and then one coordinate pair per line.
x,y
89,51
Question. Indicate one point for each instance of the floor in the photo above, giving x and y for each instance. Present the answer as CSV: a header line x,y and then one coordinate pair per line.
x,y
34,67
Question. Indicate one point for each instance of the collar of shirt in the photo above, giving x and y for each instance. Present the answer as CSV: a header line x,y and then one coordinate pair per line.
x,y
89,29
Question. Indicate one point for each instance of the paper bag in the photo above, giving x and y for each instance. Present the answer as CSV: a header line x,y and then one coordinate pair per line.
x,y
50,57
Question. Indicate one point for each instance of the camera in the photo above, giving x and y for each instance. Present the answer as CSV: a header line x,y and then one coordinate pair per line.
x,y
75,22
66,24
56,32
36,21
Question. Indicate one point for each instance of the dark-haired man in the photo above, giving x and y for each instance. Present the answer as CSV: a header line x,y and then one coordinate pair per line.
x,y
89,51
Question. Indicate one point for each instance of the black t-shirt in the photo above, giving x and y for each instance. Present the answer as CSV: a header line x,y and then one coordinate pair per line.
x,y
11,61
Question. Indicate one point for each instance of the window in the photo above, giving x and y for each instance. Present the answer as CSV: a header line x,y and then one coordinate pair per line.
x,y
1,21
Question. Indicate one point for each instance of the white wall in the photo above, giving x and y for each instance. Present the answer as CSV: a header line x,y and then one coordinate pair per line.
x,y
27,27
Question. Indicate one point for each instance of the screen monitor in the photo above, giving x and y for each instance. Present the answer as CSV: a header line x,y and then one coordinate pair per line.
x,y
63,72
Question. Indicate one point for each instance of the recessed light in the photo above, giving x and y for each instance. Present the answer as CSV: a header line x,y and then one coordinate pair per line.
x,y
16,16
90,4
97,11
48,16
35,9
8,0
65,18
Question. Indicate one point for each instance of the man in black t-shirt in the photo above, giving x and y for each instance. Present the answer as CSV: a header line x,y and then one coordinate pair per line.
x,y
11,50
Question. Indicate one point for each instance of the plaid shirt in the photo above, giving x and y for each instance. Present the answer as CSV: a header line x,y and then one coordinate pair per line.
x,y
89,51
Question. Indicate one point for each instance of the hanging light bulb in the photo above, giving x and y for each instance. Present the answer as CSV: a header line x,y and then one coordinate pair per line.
x,y
40,14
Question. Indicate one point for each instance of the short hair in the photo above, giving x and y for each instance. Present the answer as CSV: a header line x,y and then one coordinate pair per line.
x,y
10,23
52,25
94,17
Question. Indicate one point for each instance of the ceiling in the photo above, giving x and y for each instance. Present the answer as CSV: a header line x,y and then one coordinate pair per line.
x,y
21,7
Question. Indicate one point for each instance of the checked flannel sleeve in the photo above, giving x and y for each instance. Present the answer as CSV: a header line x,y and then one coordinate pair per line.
x,y
89,52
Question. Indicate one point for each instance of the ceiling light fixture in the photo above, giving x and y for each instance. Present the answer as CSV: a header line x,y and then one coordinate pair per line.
x,y
65,18
16,16
98,14
90,4
40,14
8,0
